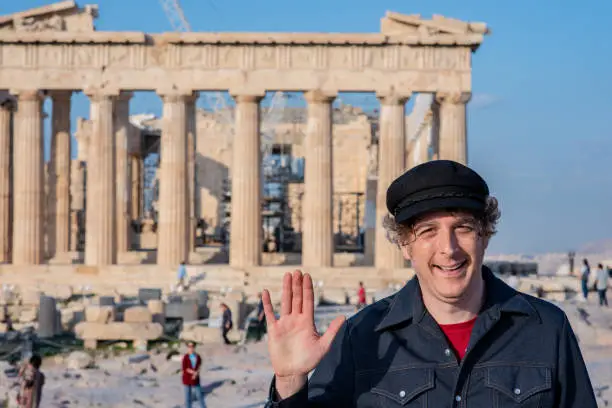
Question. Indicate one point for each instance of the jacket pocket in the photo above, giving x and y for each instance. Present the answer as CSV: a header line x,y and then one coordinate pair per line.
x,y
406,386
518,385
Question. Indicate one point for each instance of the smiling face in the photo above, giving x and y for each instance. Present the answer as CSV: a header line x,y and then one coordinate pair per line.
x,y
447,250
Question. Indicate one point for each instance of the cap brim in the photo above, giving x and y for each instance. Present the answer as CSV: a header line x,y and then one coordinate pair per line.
x,y
438,204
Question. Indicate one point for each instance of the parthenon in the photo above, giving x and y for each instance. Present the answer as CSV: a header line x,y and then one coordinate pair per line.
x,y
55,51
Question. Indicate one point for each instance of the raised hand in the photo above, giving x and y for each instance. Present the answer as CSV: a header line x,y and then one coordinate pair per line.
x,y
295,346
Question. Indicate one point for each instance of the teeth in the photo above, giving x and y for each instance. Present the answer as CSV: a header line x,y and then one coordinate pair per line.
x,y
450,268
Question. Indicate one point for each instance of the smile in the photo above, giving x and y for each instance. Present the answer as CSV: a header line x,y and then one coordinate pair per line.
x,y
452,268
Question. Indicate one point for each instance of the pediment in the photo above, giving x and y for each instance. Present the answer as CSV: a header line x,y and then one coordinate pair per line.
x,y
413,24
61,16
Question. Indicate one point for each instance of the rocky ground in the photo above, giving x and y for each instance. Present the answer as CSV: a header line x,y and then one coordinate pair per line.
x,y
238,376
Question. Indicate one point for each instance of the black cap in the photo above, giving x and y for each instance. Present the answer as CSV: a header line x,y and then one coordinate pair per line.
x,y
436,185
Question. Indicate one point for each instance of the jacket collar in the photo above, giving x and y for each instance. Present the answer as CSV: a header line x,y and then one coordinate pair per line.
x,y
407,305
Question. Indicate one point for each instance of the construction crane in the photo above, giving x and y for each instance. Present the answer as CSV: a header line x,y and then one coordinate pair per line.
x,y
175,15
273,115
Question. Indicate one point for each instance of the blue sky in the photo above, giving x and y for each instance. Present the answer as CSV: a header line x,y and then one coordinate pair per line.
x,y
540,118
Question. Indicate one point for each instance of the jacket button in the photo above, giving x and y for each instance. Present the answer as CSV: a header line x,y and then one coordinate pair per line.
x,y
517,391
447,352
402,394
458,398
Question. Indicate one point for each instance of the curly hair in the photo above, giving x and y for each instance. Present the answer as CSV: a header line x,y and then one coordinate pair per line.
x,y
397,233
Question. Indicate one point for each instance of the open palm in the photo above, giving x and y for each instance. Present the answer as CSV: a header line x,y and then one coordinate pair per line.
x,y
295,346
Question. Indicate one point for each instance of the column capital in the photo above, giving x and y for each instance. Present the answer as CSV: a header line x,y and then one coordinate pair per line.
x,y
100,94
27,94
453,97
60,95
177,95
125,96
393,97
319,96
247,97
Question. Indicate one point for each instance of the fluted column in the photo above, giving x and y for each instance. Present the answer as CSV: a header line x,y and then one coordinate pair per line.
x,y
28,179
391,163
59,175
101,226
173,239
191,169
453,129
136,174
245,226
318,233
124,194
5,182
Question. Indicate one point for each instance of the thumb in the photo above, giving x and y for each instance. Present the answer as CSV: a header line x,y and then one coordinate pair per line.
x,y
331,332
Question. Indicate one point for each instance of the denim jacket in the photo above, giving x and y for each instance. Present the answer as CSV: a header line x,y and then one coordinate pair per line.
x,y
522,353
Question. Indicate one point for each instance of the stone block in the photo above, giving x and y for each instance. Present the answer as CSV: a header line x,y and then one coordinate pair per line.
x,y
100,314
158,310
201,334
59,292
104,301
187,311
28,315
146,294
137,314
30,297
47,317
118,331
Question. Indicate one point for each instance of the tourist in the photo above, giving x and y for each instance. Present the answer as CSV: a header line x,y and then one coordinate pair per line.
x,y
182,277
584,278
456,335
513,280
192,363
226,322
361,296
261,318
601,283
31,382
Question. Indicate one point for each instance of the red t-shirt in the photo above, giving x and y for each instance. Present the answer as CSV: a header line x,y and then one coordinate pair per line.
x,y
361,295
458,335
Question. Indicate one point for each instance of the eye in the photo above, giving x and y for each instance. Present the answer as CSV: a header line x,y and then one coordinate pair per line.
x,y
466,228
425,232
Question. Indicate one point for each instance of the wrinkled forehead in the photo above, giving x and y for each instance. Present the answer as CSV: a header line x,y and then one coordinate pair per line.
x,y
444,217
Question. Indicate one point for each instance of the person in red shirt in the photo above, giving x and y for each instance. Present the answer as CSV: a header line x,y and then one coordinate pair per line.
x,y
361,296
192,362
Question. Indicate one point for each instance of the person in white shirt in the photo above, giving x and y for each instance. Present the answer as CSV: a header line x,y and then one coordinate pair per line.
x,y
602,284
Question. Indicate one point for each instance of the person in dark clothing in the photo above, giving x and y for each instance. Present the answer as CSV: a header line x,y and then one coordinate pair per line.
x,y
453,336
261,318
226,323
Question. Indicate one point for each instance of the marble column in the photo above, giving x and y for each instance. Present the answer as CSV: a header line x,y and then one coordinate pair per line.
x,y
453,129
28,188
425,138
122,127
191,169
318,233
245,226
391,163
5,181
172,231
59,175
101,225
136,176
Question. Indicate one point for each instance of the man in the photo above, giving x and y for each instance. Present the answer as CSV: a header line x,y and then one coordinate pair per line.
x,y
182,277
192,362
226,322
455,336
361,296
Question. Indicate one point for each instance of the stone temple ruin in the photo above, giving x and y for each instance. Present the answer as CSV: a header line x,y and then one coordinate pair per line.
x,y
238,190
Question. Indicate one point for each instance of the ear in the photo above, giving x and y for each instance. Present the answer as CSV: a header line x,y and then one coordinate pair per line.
x,y
406,251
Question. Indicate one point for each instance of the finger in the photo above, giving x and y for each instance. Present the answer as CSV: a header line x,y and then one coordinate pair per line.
x,y
286,296
268,309
308,303
296,305
331,332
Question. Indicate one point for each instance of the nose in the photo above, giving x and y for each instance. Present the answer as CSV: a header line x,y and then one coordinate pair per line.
x,y
448,244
